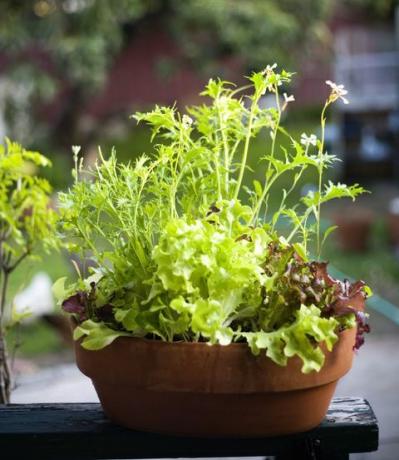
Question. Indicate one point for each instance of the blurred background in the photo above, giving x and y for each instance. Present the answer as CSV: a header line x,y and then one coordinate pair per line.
x,y
72,71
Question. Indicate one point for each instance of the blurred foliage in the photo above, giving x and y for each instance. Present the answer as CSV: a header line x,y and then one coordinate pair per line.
x,y
381,8
378,264
80,36
69,45
33,339
62,49
258,31
58,45
27,222
55,264
34,336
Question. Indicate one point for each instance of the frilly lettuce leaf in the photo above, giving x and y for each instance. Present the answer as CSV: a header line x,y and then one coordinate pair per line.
x,y
96,335
301,338
215,282
209,275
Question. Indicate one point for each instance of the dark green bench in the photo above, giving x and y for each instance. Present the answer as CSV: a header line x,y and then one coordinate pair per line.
x,y
81,432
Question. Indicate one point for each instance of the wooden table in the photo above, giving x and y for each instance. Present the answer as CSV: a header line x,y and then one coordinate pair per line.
x,y
81,432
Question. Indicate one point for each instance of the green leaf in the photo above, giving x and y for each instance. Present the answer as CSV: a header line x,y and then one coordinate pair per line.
x,y
259,82
328,232
333,191
301,251
18,317
96,335
297,339
258,188
59,291
367,290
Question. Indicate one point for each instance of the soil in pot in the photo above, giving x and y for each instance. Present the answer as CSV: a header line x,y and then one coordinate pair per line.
x,y
193,389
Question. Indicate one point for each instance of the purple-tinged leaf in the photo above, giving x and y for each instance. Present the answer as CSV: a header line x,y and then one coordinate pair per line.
x,y
76,304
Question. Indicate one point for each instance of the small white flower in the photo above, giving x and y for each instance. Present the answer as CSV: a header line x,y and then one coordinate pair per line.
x,y
339,89
187,121
288,99
308,140
337,92
76,149
268,72
270,68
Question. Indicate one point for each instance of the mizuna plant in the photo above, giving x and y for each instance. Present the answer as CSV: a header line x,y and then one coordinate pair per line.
x,y
26,223
182,249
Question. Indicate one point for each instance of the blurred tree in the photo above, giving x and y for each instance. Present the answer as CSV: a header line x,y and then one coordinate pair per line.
x,y
27,223
68,45
258,31
50,44
376,8
74,42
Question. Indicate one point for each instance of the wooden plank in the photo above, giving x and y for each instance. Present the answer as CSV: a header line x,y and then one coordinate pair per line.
x,y
81,431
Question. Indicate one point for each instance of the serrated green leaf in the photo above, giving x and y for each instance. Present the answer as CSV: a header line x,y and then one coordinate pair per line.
x,y
328,232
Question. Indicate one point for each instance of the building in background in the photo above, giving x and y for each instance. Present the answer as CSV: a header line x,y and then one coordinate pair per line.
x,y
367,63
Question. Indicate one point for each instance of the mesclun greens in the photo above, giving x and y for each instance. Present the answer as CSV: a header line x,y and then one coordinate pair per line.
x,y
176,253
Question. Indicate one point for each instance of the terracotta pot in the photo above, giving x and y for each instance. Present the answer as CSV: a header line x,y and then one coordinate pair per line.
x,y
393,229
353,232
61,325
194,389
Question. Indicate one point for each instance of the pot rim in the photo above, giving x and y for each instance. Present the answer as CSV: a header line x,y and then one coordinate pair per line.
x,y
202,368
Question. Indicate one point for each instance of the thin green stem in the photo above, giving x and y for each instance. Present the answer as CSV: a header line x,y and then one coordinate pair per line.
x,y
299,225
5,371
282,204
218,179
320,179
255,100
234,149
3,295
19,260
290,190
272,152
262,198
225,150
240,89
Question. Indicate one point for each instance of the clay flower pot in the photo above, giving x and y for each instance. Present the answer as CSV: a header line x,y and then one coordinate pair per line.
x,y
194,389
393,222
61,325
354,226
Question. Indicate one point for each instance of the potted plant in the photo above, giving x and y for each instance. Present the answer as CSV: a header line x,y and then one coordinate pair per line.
x,y
27,223
199,317
354,225
393,223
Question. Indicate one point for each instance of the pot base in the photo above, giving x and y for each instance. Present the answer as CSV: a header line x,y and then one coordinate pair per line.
x,y
217,415
193,389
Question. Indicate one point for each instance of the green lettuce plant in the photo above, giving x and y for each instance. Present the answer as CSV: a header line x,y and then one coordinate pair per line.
x,y
27,222
181,249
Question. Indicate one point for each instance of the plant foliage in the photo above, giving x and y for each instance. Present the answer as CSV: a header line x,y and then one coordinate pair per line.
x,y
26,222
177,253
